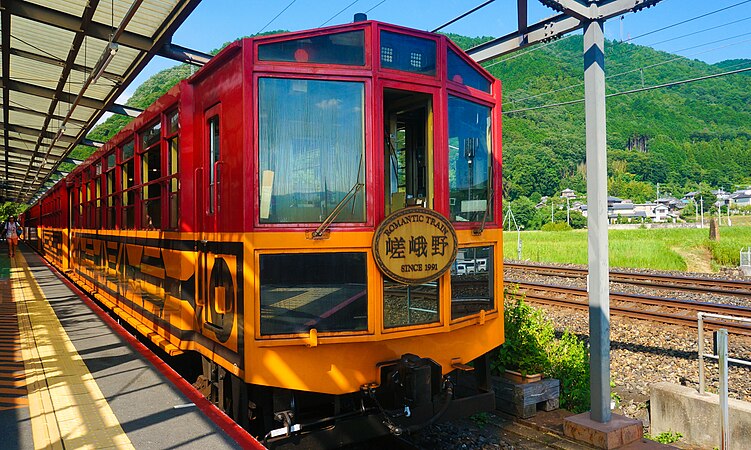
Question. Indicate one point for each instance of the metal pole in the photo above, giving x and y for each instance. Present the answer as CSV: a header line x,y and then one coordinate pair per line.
x,y
722,350
702,211
568,211
700,326
551,210
597,219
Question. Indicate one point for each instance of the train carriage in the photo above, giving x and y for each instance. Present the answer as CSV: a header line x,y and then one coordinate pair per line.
x,y
317,214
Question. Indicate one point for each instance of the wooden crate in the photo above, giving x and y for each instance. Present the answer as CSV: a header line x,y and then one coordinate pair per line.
x,y
523,400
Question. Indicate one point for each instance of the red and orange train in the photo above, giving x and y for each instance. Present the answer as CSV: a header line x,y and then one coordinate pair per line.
x,y
315,213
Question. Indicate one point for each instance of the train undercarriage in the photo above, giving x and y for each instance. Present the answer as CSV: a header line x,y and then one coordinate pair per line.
x,y
412,396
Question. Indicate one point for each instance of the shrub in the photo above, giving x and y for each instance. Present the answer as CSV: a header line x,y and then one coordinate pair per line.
x,y
556,226
531,346
667,437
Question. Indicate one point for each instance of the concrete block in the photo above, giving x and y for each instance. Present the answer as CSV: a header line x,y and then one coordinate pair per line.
x,y
620,431
683,410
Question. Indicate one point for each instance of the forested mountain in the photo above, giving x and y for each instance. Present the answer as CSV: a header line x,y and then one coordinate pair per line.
x,y
677,136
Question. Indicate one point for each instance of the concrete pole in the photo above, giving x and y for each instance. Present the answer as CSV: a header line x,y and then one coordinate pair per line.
x,y
597,221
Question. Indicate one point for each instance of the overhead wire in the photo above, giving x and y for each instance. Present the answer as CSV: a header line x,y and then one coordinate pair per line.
x,y
697,32
518,54
681,57
461,16
341,11
653,65
687,21
634,91
276,17
376,6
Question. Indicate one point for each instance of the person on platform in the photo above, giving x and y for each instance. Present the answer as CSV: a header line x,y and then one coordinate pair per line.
x,y
12,230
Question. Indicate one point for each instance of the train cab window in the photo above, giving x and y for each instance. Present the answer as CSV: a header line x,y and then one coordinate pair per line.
x,y
408,177
409,305
469,161
172,166
408,53
338,48
460,71
128,176
325,291
151,174
472,282
111,190
311,150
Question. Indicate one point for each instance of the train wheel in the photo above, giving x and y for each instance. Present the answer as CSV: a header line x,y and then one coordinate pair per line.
x,y
228,392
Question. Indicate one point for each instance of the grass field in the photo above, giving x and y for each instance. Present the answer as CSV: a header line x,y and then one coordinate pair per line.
x,y
684,249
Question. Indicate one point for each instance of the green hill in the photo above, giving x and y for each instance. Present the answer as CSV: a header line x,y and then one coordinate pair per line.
x,y
690,134
687,137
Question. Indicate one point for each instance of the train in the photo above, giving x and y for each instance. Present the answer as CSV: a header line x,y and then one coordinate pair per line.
x,y
292,215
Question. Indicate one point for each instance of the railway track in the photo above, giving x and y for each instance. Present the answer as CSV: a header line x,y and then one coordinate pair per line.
x,y
671,282
659,309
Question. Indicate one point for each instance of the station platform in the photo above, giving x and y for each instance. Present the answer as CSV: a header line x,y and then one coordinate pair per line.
x,y
71,377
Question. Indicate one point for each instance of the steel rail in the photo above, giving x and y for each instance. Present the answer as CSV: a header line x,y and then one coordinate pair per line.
x,y
540,293
679,282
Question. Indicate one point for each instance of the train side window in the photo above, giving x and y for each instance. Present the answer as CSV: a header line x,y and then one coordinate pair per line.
x,y
151,174
128,176
172,168
470,179
96,203
214,157
472,281
311,150
110,191
325,291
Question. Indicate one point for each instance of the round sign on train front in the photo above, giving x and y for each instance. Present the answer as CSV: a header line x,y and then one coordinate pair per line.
x,y
415,245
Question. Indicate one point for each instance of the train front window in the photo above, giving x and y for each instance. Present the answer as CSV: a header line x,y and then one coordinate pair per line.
x,y
469,160
460,71
409,304
311,139
325,291
472,281
407,53
337,48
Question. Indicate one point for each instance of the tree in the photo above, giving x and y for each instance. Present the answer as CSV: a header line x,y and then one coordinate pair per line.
x,y
524,212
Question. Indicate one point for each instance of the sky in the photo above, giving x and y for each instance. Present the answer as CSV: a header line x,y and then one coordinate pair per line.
x,y
718,36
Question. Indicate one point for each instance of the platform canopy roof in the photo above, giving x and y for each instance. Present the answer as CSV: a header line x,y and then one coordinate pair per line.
x,y
64,63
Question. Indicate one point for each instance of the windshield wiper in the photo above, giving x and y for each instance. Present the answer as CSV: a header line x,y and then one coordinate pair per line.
x,y
478,231
318,233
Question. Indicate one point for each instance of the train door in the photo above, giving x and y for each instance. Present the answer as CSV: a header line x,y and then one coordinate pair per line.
x,y
212,170
216,296
409,181
408,149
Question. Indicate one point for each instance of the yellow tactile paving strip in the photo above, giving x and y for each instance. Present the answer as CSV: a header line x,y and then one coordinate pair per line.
x,y
12,384
67,408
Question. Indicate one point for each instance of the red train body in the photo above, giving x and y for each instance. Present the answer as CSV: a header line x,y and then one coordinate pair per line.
x,y
200,224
